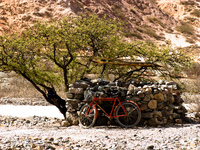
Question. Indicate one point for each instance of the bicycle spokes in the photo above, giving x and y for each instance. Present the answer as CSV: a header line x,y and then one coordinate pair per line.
x,y
132,117
87,116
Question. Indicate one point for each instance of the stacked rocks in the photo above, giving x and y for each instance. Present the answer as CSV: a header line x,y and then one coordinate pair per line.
x,y
75,95
160,102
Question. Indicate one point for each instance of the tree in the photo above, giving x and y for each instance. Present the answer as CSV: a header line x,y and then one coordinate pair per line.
x,y
164,60
46,54
52,54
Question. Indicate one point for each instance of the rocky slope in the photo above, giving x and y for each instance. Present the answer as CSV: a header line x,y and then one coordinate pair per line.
x,y
187,11
182,10
143,17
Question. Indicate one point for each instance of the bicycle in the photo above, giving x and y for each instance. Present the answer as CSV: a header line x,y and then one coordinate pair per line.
x,y
126,113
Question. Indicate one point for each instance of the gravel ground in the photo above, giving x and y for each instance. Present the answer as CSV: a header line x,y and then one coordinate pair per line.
x,y
46,133
24,101
38,133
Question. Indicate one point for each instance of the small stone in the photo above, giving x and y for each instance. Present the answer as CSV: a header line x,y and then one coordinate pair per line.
x,y
152,104
56,142
28,121
51,139
147,115
161,105
135,99
147,98
176,116
36,139
107,137
141,95
150,147
76,90
65,123
179,121
50,147
130,89
144,107
39,147
33,146
157,113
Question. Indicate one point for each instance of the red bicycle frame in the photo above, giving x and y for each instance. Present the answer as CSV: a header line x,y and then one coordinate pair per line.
x,y
112,114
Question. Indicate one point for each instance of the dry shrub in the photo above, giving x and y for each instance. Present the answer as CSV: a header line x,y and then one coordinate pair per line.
x,y
192,3
193,71
190,40
192,86
191,102
196,12
190,97
191,19
148,30
156,21
186,28
18,87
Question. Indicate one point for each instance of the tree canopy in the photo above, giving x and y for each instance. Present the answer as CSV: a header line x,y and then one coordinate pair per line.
x,y
60,52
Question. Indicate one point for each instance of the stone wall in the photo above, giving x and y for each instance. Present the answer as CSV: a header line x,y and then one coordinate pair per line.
x,y
160,102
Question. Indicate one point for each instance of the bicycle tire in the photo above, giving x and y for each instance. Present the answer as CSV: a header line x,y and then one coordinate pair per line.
x,y
87,121
133,115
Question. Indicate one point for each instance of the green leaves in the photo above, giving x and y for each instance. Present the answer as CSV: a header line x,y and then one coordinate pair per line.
x,y
62,51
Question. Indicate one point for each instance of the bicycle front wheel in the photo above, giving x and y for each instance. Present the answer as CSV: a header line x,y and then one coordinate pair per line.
x,y
87,116
133,114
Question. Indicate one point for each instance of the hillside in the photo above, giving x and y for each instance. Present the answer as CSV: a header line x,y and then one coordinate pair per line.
x,y
187,11
155,20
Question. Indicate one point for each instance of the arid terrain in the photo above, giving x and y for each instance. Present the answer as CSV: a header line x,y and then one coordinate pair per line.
x,y
171,22
102,138
47,133
42,132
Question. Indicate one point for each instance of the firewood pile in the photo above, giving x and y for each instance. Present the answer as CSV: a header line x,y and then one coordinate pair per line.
x,y
160,102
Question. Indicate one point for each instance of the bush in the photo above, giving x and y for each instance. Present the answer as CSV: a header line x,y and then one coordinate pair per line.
x,y
192,3
195,12
185,28
153,1
148,30
135,34
156,21
190,40
191,19
194,70
118,12
133,11
192,86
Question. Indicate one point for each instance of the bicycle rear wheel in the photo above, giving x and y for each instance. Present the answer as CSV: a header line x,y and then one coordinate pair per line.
x,y
87,116
133,114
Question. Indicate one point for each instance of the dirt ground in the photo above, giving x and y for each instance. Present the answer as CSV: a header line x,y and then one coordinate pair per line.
x,y
186,136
